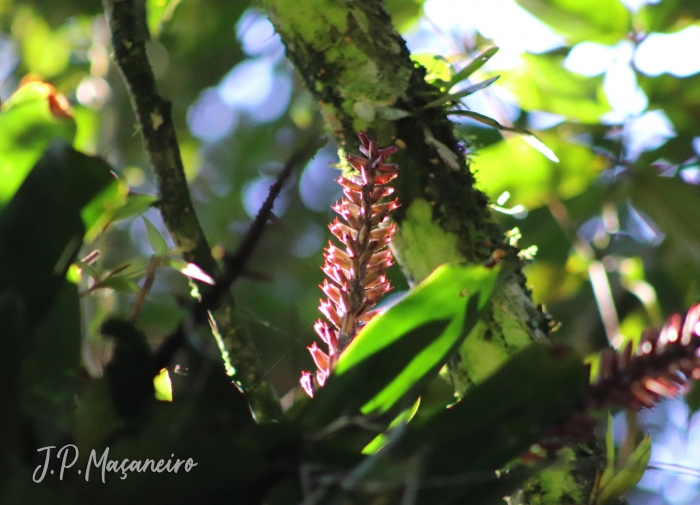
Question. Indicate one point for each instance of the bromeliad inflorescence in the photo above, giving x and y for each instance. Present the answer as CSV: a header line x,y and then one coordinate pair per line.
x,y
357,271
662,366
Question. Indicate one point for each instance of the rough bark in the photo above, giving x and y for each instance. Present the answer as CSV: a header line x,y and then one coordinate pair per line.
x,y
360,72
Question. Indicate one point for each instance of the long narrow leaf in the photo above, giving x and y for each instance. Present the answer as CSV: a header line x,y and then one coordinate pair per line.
x,y
397,351
527,135
473,66
453,97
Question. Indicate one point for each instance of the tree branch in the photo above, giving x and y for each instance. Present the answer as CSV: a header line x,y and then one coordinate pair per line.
x,y
153,113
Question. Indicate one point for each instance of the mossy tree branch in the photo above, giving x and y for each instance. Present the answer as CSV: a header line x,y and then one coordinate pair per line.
x,y
359,70
153,113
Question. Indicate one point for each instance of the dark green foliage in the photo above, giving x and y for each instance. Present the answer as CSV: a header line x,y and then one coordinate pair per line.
x,y
130,372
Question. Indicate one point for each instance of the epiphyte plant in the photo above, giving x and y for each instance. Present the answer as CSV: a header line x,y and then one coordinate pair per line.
x,y
357,271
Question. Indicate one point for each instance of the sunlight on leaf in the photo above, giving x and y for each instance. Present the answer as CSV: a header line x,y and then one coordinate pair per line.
x,y
438,69
30,119
475,65
158,243
164,389
159,13
453,97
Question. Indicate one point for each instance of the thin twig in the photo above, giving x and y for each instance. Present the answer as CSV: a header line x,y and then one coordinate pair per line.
x,y
153,265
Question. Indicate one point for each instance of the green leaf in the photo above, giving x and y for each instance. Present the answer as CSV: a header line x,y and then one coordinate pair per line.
x,y
603,21
628,476
381,439
528,136
134,206
453,97
121,283
495,422
40,232
98,213
51,371
475,65
404,15
159,13
609,454
41,229
158,243
439,71
398,350
45,52
533,179
164,389
29,120
500,418
542,83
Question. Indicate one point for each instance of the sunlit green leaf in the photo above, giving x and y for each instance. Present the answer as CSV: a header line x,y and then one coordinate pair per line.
x,y
164,389
453,97
99,212
45,52
474,65
531,178
133,206
528,136
158,243
667,16
404,14
438,69
408,343
542,83
159,13
604,21
382,439
29,120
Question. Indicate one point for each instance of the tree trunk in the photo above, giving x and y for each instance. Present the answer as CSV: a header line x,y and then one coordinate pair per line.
x,y
359,70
